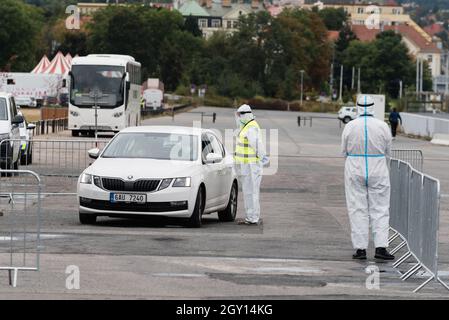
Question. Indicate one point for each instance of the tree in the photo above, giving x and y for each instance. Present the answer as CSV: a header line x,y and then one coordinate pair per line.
x,y
334,19
20,35
191,25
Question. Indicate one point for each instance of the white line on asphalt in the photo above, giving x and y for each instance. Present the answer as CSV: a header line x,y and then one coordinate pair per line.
x,y
288,270
180,275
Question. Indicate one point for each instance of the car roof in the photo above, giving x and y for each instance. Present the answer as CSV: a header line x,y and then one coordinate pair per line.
x,y
166,129
5,95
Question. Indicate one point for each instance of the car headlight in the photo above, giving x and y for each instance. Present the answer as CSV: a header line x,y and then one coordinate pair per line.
x,y
165,184
86,178
182,182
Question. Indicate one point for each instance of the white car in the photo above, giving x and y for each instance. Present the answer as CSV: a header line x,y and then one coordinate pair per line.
x,y
170,171
25,101
347,113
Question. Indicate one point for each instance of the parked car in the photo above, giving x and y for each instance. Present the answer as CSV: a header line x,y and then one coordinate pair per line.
x,y
26,101
170,171
9,132
347,113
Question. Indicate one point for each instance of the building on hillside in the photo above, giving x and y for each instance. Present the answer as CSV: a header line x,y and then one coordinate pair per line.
x,y
214,15
419,47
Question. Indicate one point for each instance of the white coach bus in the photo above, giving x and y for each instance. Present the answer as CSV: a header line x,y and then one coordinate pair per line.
x,y
110,82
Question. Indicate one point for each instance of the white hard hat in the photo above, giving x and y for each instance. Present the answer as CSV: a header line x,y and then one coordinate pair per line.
x,y
244,108
365,104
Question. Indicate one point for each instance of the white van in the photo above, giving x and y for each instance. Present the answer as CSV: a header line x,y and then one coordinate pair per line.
x,y
9,131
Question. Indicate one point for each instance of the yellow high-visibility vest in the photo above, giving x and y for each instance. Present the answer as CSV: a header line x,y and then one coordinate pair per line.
x,y
244,153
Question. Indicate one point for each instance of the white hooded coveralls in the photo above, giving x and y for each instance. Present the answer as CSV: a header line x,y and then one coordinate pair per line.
x,y
366,143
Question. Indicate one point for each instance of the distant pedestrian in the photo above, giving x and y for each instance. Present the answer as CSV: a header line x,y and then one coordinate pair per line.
x,y
394,119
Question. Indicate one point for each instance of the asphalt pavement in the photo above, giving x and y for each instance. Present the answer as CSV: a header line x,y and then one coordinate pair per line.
x,y
301,251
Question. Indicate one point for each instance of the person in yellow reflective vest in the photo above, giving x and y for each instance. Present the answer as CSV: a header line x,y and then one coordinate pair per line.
x,y
249,157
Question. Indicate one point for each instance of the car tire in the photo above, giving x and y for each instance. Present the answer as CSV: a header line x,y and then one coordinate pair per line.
x,y
86,218
346,120
195,219
229,214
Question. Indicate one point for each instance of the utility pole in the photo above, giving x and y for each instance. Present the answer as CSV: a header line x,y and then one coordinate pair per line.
x,y
332,78
359,89
446,89
341,84
353,78
421,87
417,77
302,85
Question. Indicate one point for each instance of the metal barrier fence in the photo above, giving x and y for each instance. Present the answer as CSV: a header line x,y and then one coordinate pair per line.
x,y
20,220
412,156
59,163
304,120
49,126
414,219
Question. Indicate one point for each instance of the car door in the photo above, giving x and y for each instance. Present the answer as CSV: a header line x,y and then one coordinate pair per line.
x,y
224,170
211,173
15,131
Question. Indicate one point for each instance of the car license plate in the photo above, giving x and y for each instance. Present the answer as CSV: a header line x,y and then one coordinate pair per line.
x,y
128,197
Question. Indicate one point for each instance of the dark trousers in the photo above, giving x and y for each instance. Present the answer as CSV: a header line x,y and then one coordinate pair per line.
x,y
394,127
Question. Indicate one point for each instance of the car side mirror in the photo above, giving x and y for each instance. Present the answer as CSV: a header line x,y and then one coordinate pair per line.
x,y
213,158
31,126
94,153
18,119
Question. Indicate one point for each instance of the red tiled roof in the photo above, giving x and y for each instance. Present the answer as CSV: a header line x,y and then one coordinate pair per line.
x,y
333,35
365,34
434,29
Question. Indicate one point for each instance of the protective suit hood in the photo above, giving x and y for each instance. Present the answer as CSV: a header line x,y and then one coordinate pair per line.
x,y
365,105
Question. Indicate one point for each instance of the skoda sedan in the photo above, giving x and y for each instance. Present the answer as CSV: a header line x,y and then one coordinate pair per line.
x,y
169,171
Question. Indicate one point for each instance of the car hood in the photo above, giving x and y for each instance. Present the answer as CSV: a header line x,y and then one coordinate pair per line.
x,y
142,168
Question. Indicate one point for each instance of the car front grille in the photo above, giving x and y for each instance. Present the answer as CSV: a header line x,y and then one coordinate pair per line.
x,y
136,207
115,184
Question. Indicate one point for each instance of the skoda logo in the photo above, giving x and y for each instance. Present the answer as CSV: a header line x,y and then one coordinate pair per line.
x,y
130,177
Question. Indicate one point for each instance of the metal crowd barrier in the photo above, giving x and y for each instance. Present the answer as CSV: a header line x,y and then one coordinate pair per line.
x,y
59,163
412,156
20,220
414,220
304,120
49,126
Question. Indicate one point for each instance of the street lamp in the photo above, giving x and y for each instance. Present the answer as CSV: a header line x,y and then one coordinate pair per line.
x,y
302,85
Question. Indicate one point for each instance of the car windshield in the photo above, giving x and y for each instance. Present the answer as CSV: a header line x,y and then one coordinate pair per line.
x,y
161,146
3,109
102,85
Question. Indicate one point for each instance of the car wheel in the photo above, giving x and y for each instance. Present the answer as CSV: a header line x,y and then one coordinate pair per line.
x,y
195,219
86,218
346,119
75,133
230,212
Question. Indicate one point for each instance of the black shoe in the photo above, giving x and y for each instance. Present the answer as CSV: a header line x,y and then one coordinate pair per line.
x,y
382,253
360,254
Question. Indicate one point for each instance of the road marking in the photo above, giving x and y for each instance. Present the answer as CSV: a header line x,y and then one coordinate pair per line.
x,y
288,270
180,275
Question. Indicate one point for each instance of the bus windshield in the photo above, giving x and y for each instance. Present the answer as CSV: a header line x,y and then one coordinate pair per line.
x,y
100,85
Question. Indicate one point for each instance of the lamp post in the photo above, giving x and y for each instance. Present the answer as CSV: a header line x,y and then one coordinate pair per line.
x,y
302,85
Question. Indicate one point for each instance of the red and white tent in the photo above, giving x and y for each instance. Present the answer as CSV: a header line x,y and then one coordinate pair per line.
x,y
68,58
42,65
58,65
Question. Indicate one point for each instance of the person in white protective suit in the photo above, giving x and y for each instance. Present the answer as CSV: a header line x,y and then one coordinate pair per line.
x,y
366,144
250,157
